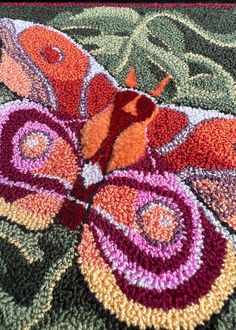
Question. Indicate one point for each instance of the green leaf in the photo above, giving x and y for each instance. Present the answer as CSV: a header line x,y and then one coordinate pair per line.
x,y
155,44
107,44
26,243
227,320
59,246
167,61
5,94
215,90
221,40
166,31
106,19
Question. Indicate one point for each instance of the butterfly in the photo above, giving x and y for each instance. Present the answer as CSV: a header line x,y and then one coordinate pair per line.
x,y
152,185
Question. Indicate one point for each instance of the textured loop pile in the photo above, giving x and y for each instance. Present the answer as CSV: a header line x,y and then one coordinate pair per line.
x,y
117,167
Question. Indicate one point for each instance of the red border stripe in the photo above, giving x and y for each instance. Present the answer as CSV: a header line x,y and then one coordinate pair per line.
x,y
84,4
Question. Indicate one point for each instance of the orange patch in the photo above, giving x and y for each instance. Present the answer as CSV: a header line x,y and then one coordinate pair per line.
x,y
232,221
129,147
74,64
210,146
67,74
159,224
61,162
160,88
118,202
39,204
131,79
36,150
131,107
87,249
14,76
94,132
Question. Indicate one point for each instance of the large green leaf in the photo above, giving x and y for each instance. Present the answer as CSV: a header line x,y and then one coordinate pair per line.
x,y
167,32
26,293
155,44
107,19
215,89
108,44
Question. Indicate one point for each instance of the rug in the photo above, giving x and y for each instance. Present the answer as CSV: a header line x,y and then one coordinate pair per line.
x,y
117,166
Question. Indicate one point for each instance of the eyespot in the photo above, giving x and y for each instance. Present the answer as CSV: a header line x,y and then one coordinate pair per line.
x,y
34,145
52,54
158,222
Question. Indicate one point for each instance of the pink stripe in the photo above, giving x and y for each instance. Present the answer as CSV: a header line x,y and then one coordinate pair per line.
x,y
136,274
145,279
150,5
26,186
168,181
154,251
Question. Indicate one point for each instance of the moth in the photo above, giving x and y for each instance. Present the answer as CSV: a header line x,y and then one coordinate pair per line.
x,y
152,185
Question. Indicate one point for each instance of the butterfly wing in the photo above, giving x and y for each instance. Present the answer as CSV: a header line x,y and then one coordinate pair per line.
x,y
39,164
48,67
149,253
199,146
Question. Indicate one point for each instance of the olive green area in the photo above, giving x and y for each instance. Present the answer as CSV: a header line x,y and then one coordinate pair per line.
x,y
197,46
27,284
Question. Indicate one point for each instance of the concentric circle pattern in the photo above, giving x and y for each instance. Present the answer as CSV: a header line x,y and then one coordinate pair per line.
x,y
35,176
